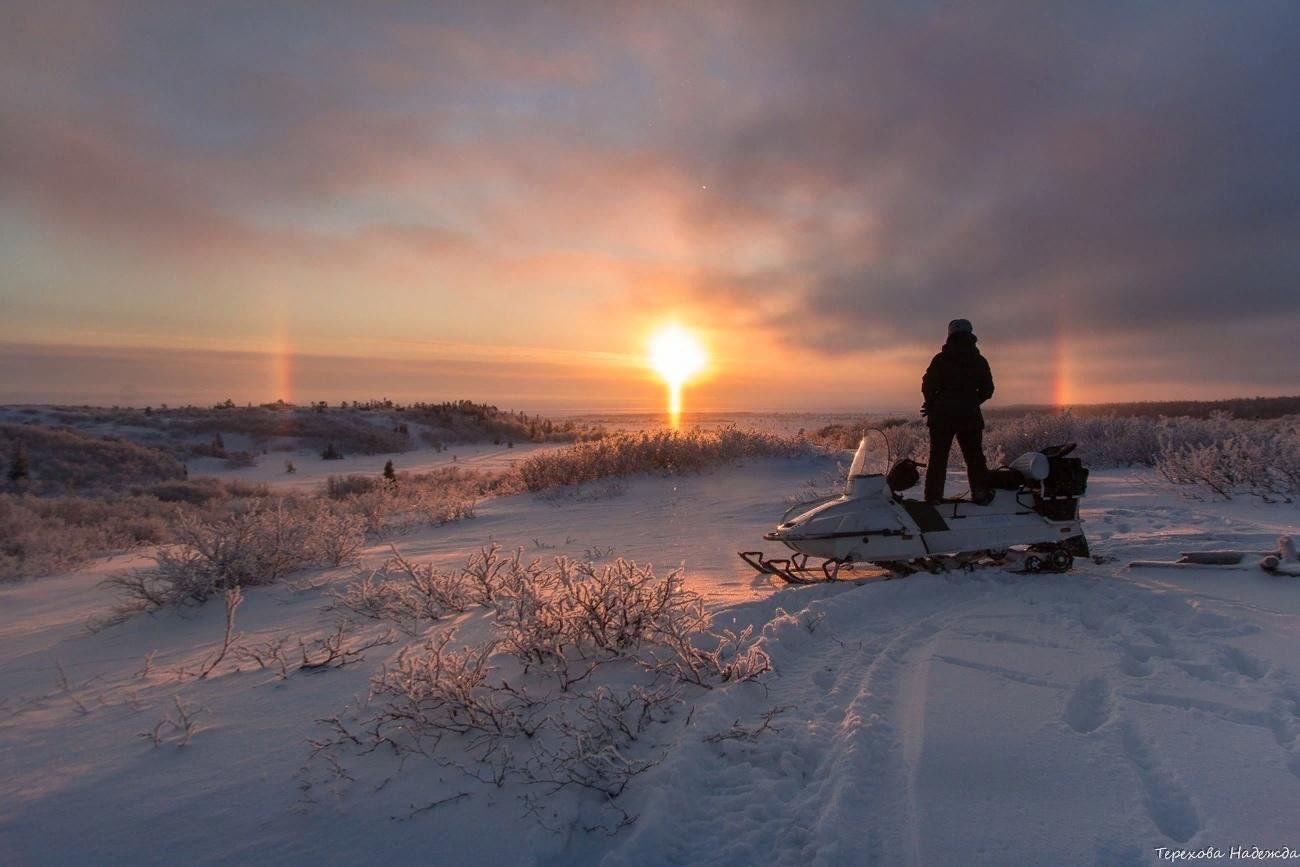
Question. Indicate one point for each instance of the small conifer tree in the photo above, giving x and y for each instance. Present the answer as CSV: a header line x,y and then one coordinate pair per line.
x,y
18,468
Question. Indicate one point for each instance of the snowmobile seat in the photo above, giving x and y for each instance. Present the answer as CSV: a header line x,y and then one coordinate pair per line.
x,y
1006,479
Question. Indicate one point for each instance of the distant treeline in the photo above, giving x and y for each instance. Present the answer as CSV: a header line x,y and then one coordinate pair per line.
x,y
1237,407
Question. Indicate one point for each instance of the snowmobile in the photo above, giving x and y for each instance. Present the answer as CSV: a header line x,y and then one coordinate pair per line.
x,y
1030,524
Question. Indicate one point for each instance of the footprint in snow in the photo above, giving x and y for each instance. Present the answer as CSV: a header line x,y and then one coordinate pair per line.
x,y
1090,705
1167,802
1202,671
1238,661
1136,662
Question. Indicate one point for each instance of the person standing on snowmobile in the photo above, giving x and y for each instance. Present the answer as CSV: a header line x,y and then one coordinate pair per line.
x,y
956,383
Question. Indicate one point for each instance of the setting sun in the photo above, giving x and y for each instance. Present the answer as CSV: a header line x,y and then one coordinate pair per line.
x,y
676,355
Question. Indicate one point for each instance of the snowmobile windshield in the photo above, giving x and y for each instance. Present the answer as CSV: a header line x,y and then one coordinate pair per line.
x,y
871,458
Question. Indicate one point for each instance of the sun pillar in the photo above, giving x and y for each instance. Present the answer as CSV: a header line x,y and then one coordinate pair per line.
x,y
1062,391
676,355
281,366
675,405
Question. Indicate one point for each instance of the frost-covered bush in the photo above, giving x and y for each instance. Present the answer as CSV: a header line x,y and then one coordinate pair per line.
x,y
576,611
43,535
340,487
663,452
408,595
246,490
1103,441
255,542
431,499
898,438
845,435
196,492
40,535
338,537
555,615
259,543
442,506
582,661
1219,454
433,690
1227,457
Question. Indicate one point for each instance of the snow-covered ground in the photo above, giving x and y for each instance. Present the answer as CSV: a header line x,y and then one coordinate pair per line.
x,y
968,718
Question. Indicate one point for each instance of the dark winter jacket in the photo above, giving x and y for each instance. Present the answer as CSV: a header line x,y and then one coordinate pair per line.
x,y
956,383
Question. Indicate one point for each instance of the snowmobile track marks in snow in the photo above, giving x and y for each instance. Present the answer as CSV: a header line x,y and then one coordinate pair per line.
x,y
869,767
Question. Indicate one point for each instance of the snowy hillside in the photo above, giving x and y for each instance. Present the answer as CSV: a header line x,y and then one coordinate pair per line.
x,y
966,718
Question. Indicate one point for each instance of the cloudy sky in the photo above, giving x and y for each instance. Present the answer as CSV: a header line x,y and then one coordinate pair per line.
x,y
502,201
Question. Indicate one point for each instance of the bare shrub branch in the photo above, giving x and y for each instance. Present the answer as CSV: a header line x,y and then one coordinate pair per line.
x,y
234,596
332,652
738,732
184,723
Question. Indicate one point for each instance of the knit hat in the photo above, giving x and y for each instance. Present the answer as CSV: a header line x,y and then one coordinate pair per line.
x,y
960,326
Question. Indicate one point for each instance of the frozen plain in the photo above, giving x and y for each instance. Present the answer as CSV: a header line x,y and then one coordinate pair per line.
x,y
966,718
